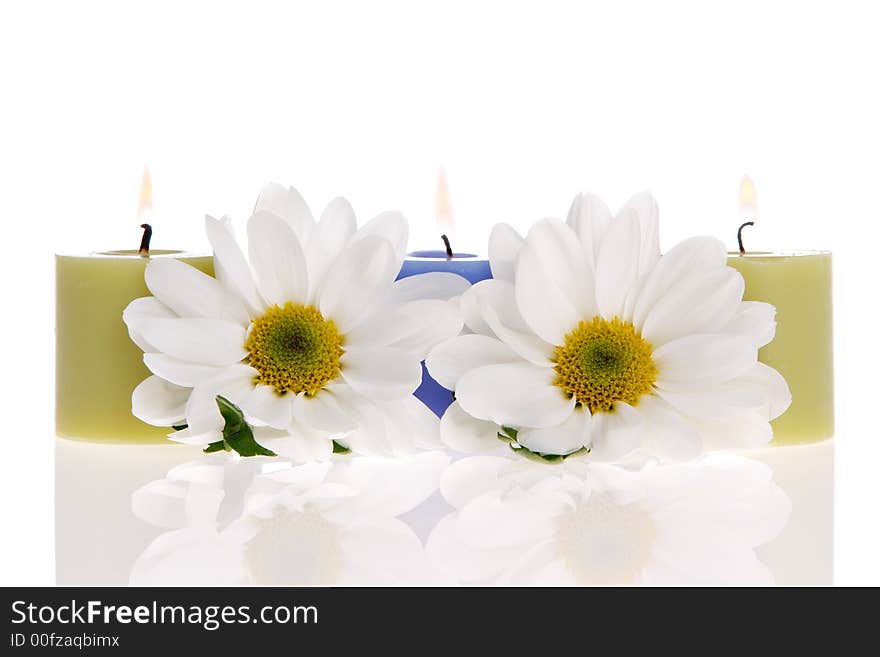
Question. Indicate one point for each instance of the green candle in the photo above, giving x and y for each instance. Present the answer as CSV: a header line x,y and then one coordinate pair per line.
x,y
799,285
97,366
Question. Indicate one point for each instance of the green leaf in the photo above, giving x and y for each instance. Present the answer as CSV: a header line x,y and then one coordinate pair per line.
x,y
179,427
339,448
237,434
219,446
508,434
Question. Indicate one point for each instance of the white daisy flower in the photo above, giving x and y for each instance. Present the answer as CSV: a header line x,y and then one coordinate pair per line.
x,y
694,523
309,335
256,521
588,339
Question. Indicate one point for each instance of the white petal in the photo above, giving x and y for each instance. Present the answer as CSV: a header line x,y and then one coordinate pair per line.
x,y
752,505
589,217
496,520
504,246
177,371
554,285
425,324
463,433
701,360
288,204
528,346
688,259
187,437
448,551
192,293
195,556
390,226
231,266
335,228
441,285
468,478
715,401
157,402
617,267
668,434
417,420
176,504
391,428
267,406
278,260
773,387
223,277
568,437
357,281
498,294
514,394
384,551
472,311
755,320
415,326
618,433
700,304
138,311
372,436
337,224
204,341
381,372
449,361
645,208
325,411
302,445
391,487
383,428
235,383
490,308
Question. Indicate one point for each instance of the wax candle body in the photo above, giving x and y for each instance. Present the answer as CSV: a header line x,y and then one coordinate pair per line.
x,y
97,366
799,285
467,265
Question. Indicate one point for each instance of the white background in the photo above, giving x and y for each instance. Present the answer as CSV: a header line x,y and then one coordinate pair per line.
x,y
522,104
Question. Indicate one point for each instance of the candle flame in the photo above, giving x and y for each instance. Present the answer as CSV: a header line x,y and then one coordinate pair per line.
x,y
748,198
445,222
145,197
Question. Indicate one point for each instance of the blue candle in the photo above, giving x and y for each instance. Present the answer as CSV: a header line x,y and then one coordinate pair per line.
x,y
467,265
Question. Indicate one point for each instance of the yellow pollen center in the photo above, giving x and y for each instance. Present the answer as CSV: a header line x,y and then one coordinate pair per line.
x,y
603,362
294,349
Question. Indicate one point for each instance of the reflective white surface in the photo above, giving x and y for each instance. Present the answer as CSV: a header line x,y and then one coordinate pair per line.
x,y
168,514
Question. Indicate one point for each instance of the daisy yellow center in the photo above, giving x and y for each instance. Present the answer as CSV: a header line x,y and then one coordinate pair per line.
x,y
294,349
294,549
604,542
602,362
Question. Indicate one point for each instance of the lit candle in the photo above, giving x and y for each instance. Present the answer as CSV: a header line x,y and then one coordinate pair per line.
x,y
97,366
798,284
468,265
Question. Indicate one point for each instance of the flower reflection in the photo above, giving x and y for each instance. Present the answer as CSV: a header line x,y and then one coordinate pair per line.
x,y
261,521
523,523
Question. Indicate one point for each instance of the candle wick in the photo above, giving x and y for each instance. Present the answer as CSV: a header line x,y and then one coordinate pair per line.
x,y
448,246
739,236
145,240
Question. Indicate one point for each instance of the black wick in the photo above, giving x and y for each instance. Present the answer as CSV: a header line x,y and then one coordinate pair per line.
x,y
145,240
448,246
739,236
